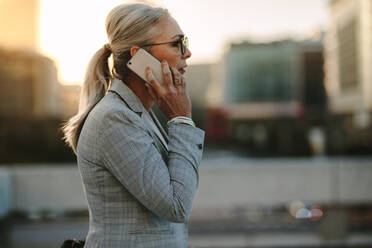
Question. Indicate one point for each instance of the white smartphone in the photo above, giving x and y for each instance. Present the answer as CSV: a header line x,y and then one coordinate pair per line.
x,y
140,60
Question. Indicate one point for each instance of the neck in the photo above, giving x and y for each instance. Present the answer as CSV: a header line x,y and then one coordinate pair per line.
x,y
137,85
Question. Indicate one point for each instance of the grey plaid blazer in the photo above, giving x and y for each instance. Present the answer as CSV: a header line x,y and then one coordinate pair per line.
x,y
139,189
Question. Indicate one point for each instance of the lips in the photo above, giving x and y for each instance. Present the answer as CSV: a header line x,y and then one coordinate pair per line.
x,y
182,70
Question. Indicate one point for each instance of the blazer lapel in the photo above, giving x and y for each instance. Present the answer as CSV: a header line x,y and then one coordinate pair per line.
x,y
155,133
165,139
132,101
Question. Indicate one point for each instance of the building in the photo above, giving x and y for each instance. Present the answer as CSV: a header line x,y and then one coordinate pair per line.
x,y
31,98
348,58
29,86
348,53
28,82
268,72
272,94
19,24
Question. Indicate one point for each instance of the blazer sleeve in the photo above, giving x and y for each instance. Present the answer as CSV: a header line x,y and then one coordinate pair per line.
x,y
166,188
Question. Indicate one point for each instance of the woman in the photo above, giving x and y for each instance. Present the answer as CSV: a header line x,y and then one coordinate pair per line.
x,y
139,181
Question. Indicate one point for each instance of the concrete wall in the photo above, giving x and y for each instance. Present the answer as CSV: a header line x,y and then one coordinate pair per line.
x,y
35,188
268,182
5,190
224,183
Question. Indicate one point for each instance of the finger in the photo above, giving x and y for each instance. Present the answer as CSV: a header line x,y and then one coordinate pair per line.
x,y
176,77
151,91
151,78
166,73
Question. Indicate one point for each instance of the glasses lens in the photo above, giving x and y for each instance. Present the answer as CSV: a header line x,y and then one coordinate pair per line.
x,y
184,44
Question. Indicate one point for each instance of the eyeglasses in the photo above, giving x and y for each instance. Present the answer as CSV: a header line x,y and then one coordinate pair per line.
x,y
183,42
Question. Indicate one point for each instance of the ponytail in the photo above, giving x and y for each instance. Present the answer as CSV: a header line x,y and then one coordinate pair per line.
x,y
96,83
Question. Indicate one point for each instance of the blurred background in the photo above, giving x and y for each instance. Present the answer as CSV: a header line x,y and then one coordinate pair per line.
x,y
281,87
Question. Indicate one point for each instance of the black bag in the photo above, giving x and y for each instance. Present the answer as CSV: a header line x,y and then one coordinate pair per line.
x,y
73,243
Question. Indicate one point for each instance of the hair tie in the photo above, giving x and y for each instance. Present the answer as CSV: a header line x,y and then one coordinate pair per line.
x,y
107,47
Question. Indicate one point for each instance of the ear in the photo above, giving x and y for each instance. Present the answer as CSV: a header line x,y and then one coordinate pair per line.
x,y
133,50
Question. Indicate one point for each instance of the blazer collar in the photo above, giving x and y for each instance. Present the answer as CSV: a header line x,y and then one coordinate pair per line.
x,y
127,95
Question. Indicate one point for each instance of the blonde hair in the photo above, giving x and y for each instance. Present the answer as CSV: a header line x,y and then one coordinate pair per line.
x,y
126,25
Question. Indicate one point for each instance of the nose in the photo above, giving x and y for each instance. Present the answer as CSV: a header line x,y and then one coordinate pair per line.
x,y
187,54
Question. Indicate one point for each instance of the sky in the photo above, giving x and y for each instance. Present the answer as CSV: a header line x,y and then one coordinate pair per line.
x,y
71,31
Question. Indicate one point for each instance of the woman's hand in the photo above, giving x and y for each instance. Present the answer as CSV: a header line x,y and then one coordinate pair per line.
x,y
171,96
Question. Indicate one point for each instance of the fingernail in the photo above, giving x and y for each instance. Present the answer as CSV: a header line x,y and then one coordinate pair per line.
x,y
164,62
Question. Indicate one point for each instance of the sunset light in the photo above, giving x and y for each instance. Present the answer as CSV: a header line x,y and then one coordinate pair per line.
x,y
71,31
